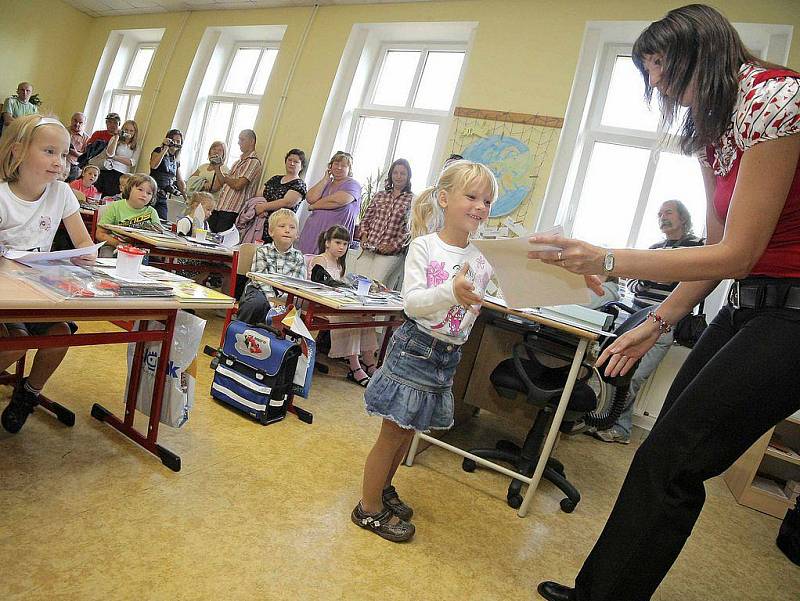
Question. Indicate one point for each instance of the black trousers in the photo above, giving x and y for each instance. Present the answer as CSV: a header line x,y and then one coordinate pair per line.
x,y
253,306
741,379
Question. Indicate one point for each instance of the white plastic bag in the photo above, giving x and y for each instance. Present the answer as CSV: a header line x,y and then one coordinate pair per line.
x,y
181,370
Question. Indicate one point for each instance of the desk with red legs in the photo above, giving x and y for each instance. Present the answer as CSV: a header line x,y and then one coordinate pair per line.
x,y
22,302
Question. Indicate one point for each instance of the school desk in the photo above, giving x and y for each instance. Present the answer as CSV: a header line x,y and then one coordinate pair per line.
x,y
472,381
23,302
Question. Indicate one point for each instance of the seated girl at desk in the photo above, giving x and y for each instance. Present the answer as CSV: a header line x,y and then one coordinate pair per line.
x,y
132,210
33,204
348,344
187,224
445,278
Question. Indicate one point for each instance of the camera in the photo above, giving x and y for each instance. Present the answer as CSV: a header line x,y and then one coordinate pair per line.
x,y
215,159
123,136
168,142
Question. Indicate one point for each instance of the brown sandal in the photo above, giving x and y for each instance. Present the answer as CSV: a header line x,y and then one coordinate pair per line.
x,y
380,524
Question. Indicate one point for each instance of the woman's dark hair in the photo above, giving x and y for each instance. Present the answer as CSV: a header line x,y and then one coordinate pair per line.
x,y
335,232
175,132
701,49
389,186
301,155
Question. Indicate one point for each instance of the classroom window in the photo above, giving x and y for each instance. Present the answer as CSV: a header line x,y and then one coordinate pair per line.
x,y
233,105
125,99
406,106
628,163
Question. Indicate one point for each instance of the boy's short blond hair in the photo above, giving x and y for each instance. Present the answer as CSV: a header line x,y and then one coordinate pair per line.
x,y
203,199
280,215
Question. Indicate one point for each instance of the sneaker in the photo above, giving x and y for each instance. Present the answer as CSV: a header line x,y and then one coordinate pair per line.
x,y
612,435
18,410
380,524
392,501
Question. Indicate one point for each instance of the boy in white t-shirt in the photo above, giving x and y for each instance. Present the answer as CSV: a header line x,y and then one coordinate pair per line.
x,y
33,203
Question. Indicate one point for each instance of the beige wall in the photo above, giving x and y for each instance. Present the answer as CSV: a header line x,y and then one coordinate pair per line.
x,y
523,59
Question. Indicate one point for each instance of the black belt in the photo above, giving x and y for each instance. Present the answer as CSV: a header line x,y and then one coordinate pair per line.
x,y
746,295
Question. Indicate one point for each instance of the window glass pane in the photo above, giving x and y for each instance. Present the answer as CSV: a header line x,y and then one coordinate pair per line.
x,y
439,80
133,105
625,105
415,143
397,75
677,177
119,104
241,70
610,194
264,69
139,67
215,128
244,117
371,143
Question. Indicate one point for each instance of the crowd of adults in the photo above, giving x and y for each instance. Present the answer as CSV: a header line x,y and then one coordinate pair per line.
x,y
335,199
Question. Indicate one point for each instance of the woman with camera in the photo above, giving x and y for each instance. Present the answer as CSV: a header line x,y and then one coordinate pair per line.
x,y
165,169
119,158
204,178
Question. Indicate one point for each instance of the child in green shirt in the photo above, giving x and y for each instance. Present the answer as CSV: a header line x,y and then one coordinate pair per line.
x,y
132,210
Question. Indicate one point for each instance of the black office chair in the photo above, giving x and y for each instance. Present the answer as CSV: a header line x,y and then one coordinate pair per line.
x,y
543,385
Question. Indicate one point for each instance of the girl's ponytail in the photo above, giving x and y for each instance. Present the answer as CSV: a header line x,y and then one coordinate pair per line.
x,y
426,214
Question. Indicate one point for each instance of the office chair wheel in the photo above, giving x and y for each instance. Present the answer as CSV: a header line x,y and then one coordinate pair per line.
x,y
567,505
468,465
507,446
514,501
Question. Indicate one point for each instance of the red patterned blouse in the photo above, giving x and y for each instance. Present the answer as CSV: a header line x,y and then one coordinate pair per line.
x,y
384,228
767,108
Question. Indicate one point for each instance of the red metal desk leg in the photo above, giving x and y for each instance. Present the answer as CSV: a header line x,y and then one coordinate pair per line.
x,y
168,458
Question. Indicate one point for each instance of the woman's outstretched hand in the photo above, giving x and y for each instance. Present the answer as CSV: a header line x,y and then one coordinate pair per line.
x,y
622,354
576,256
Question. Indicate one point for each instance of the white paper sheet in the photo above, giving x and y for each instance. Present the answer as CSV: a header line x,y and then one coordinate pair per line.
x,y
230,238
36,258
531,283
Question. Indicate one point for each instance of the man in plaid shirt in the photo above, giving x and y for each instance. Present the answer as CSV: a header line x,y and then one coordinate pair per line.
x,y
277,257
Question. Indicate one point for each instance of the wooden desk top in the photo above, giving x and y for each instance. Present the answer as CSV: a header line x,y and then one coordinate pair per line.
x,y
157,242
546,321
331,303
16,293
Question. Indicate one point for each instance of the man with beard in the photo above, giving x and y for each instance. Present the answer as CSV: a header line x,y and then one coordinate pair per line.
x,y
675,222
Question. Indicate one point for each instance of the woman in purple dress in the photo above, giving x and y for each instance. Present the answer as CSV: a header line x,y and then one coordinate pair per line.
x,y
333,200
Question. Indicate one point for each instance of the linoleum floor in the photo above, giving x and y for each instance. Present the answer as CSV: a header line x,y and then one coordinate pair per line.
x,y
264,512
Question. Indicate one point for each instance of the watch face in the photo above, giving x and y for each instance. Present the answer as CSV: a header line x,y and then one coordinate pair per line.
x,y
608,262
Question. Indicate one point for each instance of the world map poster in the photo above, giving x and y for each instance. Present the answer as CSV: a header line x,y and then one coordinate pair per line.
x,y
519,150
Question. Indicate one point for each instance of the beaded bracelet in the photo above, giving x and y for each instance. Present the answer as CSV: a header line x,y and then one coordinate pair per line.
x,y
663,325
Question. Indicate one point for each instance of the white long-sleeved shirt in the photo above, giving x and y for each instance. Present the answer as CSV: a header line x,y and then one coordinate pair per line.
x,y
428,296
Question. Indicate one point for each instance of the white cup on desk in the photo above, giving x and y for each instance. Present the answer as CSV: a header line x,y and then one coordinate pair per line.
x,y
129,261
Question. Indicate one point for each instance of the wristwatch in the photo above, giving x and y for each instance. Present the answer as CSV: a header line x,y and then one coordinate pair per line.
x,y
608,262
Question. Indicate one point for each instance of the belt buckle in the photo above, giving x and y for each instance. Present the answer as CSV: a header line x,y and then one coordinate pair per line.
x,y
733,295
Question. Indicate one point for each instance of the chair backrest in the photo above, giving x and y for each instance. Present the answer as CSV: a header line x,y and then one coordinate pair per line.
x,y
247,253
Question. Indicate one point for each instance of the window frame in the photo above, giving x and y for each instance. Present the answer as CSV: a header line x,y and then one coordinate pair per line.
x,y
407,112
239,45
582,123
130,91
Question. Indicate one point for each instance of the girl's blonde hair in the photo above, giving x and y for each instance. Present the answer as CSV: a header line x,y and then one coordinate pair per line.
x,y
134,141
427,215
21,131
137,179
87,167
204,199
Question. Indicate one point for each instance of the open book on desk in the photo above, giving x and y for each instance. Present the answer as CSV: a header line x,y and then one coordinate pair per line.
x,y
66,282
578,316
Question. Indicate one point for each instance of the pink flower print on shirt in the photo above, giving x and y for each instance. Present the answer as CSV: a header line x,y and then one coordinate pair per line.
x,y
453,320
436,273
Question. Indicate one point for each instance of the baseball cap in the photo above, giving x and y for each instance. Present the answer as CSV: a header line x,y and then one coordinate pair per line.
x,y
114,116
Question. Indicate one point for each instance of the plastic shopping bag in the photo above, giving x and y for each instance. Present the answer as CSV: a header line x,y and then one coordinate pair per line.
x,y
181,370
303,375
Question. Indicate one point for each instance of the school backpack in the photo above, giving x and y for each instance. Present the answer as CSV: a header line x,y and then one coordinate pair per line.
x,y
91,151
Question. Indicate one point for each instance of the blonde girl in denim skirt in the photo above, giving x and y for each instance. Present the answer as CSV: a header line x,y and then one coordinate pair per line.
x,y
445,279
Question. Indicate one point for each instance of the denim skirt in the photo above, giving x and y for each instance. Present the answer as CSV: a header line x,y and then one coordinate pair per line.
x,y
413,387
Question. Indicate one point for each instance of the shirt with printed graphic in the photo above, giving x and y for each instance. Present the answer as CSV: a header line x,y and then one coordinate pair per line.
x,y
428,296
121,213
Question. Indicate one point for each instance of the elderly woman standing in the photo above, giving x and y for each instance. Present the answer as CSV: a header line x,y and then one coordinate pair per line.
x,y
204,178
333,200
384,228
